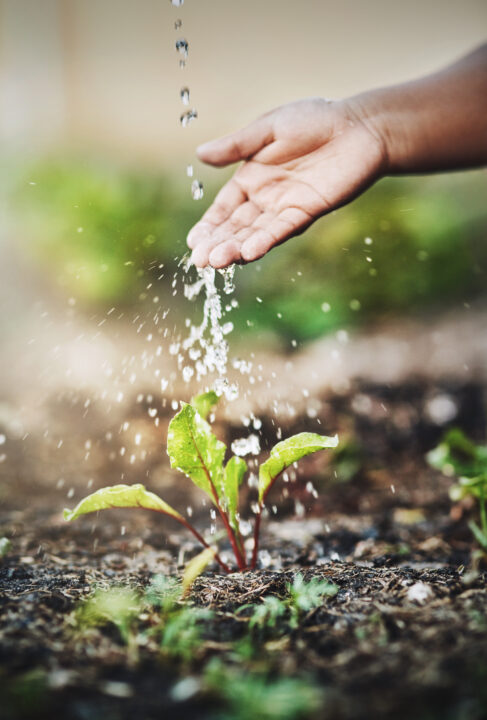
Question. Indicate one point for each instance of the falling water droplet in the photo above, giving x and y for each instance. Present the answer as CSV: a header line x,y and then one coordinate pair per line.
x,y
189,171
176,3
197,190
184,93
182,47
178,24
187,117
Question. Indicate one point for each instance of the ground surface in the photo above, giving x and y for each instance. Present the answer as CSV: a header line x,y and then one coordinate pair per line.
x,y
404,636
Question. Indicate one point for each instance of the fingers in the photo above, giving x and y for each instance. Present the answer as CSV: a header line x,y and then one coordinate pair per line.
x,y
230,197
238,145
243,217
271,232
228,244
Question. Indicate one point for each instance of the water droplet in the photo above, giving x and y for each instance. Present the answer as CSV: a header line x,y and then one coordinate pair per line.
x,y
178,24
188,117
188,373
176,3
189,170
182,47
197,190
184,94
246,446
368,241
326,307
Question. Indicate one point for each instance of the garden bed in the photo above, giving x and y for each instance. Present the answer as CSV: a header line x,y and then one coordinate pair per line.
x,y
404,632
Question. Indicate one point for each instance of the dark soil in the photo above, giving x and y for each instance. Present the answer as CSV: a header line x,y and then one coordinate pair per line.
x,y
405,635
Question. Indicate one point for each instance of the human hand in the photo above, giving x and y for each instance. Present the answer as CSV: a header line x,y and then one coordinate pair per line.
x,y
301,161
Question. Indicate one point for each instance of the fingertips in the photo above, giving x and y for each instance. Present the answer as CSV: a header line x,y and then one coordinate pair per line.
x,y
257,245
225,254
200,232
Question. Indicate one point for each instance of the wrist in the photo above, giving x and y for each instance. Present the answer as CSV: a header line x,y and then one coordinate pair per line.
x,y
376,111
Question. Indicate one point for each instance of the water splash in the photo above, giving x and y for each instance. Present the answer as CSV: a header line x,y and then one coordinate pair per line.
x,y
206,346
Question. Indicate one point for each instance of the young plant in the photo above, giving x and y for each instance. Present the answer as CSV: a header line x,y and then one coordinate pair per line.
x,y
195,451
458,456
301,597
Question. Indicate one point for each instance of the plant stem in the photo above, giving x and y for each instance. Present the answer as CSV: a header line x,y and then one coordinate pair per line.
x,y
231,535
201,539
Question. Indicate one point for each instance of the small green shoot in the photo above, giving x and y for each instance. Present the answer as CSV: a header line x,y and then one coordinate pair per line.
x,y
5,546
302,597
117,606
251,695
181,635
458,456
195,451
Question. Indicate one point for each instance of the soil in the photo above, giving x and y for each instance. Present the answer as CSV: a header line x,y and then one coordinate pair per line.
x,y
404,636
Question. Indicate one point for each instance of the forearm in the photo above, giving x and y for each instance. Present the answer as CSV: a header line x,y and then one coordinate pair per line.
x,y
433,124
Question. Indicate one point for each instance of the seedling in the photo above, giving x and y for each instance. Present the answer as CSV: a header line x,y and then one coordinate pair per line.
x,y
250,695
301,598
459,456
195,451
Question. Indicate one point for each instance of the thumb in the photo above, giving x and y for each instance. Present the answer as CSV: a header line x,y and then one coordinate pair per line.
x,y
239,145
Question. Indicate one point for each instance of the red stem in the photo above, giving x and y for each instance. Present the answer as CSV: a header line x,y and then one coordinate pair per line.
x,y
231,535
201,539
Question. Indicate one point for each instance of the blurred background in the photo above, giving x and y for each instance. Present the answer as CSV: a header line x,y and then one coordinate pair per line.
x,y
96,201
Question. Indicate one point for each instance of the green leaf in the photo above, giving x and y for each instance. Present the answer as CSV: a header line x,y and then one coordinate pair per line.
x,y
288,451
195,451
120,496
205,402
235,470
5,546
458,455
195,567
479,535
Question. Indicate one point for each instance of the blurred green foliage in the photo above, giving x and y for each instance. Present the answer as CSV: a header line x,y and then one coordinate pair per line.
x,y
104,232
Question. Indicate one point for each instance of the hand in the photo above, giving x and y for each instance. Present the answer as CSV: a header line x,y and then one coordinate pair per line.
x,y
301,161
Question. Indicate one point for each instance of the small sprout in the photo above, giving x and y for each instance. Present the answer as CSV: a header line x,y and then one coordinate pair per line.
x,y
195,451
164,592
302,597
306,596
117,606
182,632
267,613
250,695
195,567
458,456
5,546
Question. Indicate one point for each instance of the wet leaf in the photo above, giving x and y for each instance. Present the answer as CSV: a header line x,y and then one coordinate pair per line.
x,y
288,451
205,402
119,496
235,470
195,451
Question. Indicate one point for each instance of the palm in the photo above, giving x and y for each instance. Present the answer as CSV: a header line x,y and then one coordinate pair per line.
x,y
314,157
